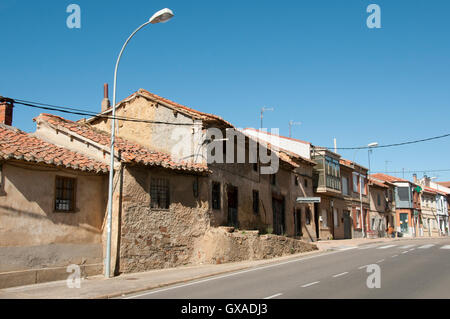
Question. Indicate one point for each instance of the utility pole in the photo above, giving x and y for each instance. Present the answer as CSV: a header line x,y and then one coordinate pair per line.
x,y
262,113
291,123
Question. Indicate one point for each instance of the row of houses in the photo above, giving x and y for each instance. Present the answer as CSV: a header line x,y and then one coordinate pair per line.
x,y
179,172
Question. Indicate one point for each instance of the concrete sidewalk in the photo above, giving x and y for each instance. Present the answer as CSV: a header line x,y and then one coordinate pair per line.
x,y
99,287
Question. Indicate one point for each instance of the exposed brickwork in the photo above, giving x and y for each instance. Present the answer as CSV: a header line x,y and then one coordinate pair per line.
x,y
6,113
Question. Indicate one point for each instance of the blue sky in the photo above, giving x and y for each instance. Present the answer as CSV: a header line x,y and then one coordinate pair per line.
x,y
313,61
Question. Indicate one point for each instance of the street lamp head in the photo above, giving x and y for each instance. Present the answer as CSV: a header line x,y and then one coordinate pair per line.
x,y
374,144
162,16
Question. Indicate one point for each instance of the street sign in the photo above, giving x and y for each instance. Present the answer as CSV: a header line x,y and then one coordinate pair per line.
x,y
308,200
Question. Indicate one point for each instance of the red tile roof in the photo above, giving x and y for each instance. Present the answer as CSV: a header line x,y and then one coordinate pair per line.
x,y
130,152
388,178
195,113
433,190
15,144
445,184
373,182
176,106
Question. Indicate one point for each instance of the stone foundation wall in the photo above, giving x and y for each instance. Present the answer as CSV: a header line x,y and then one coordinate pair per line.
x,y
160,238
222,245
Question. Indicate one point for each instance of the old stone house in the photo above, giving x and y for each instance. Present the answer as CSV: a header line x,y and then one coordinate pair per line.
x,y
165,201
52,207
159,205
239,193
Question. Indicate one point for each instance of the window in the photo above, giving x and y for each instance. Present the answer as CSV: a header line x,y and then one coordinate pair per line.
x,y
256,202
255,167
378,199
358,218
305,183
296,180
65,194
335,217
363,185
332,173
344,185
159,193
216,195
355,183
403,194
324,218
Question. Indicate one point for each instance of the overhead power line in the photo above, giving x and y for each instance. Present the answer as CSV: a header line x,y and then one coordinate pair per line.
x,y
82,112
415,171
75,111
392,145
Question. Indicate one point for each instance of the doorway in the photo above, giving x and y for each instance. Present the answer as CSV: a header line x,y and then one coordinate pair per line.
x,y
347,225
316,220
278,216
404,223
232,195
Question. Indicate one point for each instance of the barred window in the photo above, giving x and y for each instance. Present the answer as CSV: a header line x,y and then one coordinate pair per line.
x,y
216,195
159,193
64,194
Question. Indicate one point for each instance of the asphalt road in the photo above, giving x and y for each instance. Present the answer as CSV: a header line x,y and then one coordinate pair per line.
x,y
408,269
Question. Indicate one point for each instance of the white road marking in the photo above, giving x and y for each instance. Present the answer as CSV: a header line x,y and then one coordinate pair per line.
x,y
310,284
445,247
394,256
387,246
362,267
347,248
273,296
380,261
230,275
367,246
407,246
426,246
404,252
341,274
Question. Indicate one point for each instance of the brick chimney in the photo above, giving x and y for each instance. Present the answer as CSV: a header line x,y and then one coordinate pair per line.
x,y
6,110
415,178
105,102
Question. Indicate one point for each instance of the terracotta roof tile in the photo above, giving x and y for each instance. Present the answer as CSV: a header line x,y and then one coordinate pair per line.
x,y
176,106
16,144
388,178
130,152
373,182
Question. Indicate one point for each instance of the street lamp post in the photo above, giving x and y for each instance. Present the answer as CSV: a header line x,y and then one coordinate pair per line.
x,y
162,16
371,145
